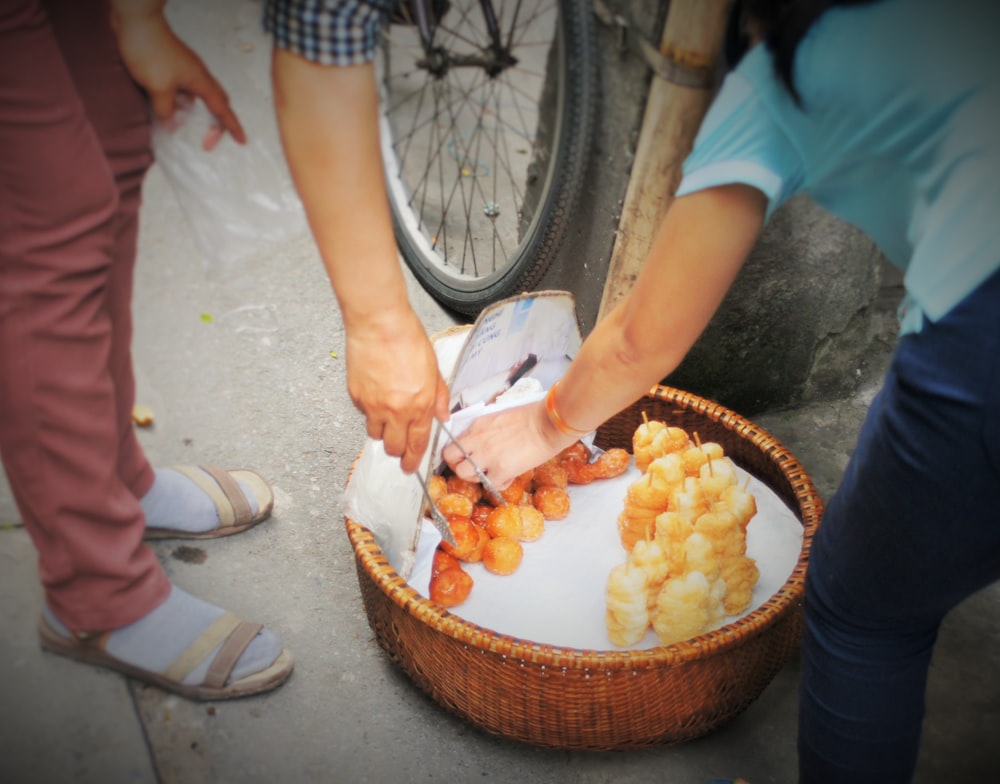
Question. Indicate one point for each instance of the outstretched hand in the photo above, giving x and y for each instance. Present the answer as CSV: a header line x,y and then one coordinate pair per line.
x,y
168,69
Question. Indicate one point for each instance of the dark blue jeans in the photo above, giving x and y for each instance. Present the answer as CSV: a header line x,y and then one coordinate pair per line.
x,y
913,530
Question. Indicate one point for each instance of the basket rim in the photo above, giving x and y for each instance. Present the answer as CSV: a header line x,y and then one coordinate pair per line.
x,y
785,599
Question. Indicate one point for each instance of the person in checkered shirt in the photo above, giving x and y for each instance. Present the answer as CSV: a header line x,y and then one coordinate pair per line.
x,y
326,102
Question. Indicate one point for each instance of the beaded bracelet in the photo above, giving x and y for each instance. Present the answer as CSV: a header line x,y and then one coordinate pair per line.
x,y
557,421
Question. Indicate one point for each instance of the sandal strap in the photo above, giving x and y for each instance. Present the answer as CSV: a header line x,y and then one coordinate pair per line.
x,y
225,492
206,642
237,642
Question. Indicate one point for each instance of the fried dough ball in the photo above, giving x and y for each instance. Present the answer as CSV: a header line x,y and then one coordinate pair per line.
x,y
550,474
437,486
451,587
642,442
627,614
685,607
740,575
580,472
504,521
552,502
612,463
454,505
471,490
480,512
468,543
527,477
442,560
502,555
532,523
577,452
513,492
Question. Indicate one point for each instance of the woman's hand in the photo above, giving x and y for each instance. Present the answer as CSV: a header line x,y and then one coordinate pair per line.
x,y
167,68
506,444
393,379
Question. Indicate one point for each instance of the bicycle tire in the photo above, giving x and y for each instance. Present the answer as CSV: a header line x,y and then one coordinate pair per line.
x,y
498,244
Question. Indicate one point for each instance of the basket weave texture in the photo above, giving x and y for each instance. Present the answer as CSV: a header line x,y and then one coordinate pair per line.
x,y
613,699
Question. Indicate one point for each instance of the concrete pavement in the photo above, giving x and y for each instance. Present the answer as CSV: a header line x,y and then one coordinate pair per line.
x,y
257,385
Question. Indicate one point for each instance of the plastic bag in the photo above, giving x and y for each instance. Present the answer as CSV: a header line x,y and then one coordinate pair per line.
x,y
238,199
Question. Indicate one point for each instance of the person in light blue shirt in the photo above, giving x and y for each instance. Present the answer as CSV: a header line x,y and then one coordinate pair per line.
x,y
888,114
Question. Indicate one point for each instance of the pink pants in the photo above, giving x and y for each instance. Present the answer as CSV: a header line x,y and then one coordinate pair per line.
x,y
74,148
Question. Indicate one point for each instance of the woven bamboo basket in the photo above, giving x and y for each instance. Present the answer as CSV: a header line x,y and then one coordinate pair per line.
x,y
603,700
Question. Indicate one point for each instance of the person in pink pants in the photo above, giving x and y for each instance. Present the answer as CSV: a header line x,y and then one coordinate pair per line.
x,y
77,78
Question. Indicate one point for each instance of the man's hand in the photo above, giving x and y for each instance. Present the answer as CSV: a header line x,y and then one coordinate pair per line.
x,y
393,379
167,68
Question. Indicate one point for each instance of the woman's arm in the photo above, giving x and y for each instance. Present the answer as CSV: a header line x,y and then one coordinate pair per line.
x,y
328,116
696,254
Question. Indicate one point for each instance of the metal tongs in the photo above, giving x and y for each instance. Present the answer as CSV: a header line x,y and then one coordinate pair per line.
x,y
439,519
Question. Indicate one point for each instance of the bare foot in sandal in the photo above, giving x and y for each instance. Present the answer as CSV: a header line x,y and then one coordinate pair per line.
x,y
204,502
185,645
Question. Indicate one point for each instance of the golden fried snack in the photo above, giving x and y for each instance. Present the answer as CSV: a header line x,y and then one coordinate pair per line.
x,y
550,474
580,472
642,442
442,560
724,531
694,457
513,492
685,607
576,452
689,500
532,523
647,492
667,470
627,614
471,490
552,502
633,529
468,545
740,503
672,531
504,521
700,556
614,462
740,575
451,586
454,505
480,512
716,476
502,555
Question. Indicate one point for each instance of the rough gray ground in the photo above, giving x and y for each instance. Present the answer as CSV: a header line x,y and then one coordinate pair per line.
x,y
257,386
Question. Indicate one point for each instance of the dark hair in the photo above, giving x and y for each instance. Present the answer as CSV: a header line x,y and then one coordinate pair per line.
x,y
783,24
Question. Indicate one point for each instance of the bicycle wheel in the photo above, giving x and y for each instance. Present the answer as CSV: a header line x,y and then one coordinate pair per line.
x,y
485,148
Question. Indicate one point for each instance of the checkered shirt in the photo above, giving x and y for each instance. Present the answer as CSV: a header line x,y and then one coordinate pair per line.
x,y
329,32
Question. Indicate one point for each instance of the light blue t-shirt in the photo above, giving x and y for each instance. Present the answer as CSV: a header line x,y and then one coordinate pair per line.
x,y
898,134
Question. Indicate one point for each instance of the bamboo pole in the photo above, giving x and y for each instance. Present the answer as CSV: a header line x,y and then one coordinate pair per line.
x,y
692,38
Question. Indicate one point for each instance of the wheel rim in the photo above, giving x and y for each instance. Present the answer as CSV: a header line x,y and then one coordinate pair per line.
x,y
468,154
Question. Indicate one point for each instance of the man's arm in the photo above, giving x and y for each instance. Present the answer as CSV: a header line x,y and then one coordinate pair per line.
x,y
328,116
